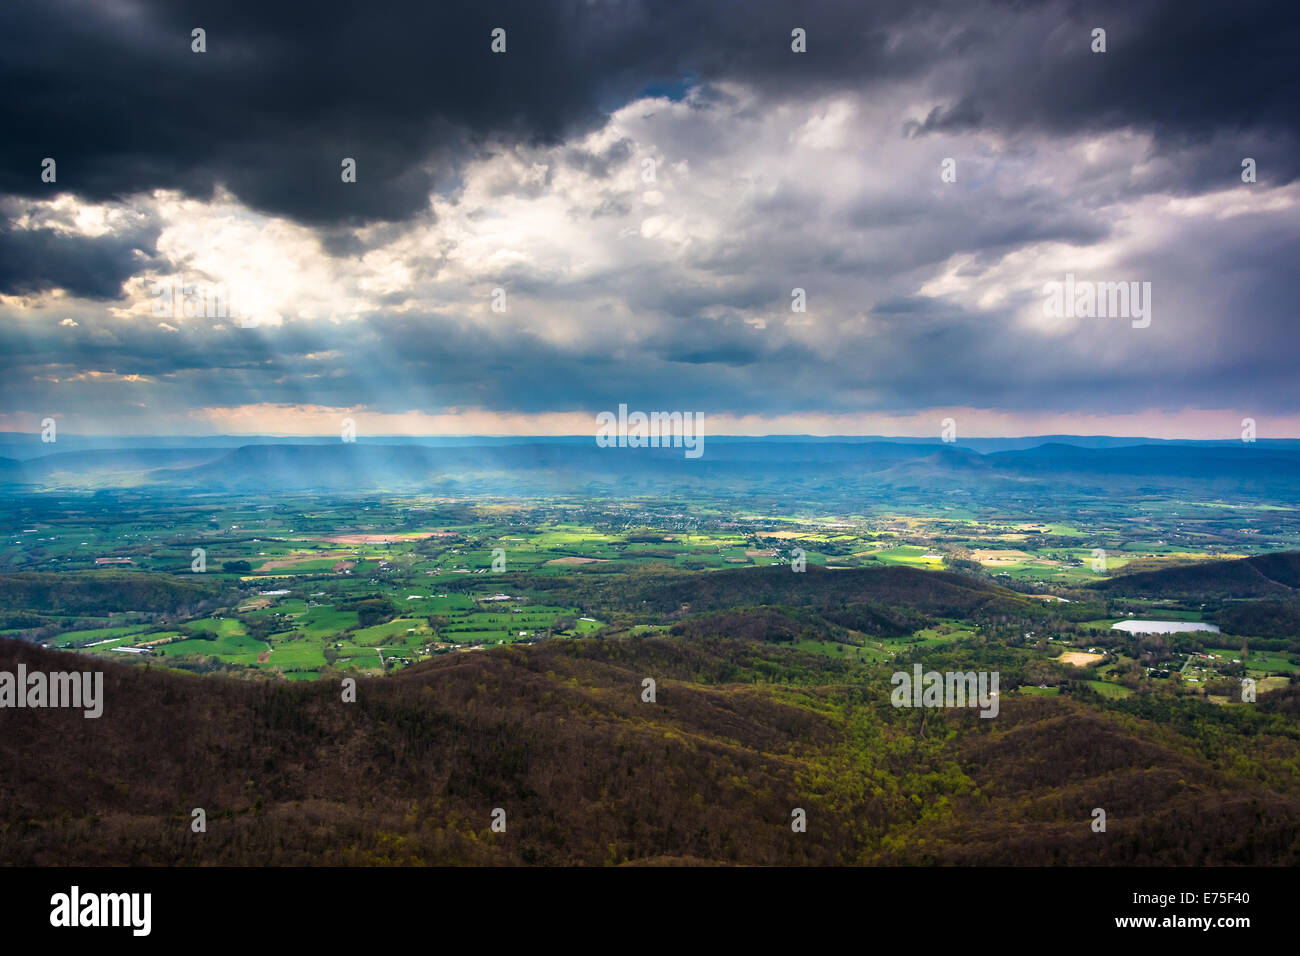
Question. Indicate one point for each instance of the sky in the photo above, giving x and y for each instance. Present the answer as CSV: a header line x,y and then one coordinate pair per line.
x,y
620,206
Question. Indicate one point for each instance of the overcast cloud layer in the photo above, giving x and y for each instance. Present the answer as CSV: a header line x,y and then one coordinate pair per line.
x,y
529,171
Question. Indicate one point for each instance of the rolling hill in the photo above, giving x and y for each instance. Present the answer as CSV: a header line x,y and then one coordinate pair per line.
x,y
557,736
1262,576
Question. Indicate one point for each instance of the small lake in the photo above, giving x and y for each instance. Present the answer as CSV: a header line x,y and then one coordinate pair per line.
x,y
1162,627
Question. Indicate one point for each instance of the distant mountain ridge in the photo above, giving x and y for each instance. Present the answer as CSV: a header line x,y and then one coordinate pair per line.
x,y
27,445
555,467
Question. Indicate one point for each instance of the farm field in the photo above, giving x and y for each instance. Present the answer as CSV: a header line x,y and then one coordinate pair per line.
x,y
299,589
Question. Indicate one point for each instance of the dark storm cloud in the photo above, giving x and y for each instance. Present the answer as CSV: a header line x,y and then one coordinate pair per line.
x,y
700,318
1185,71
37,260
112,91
